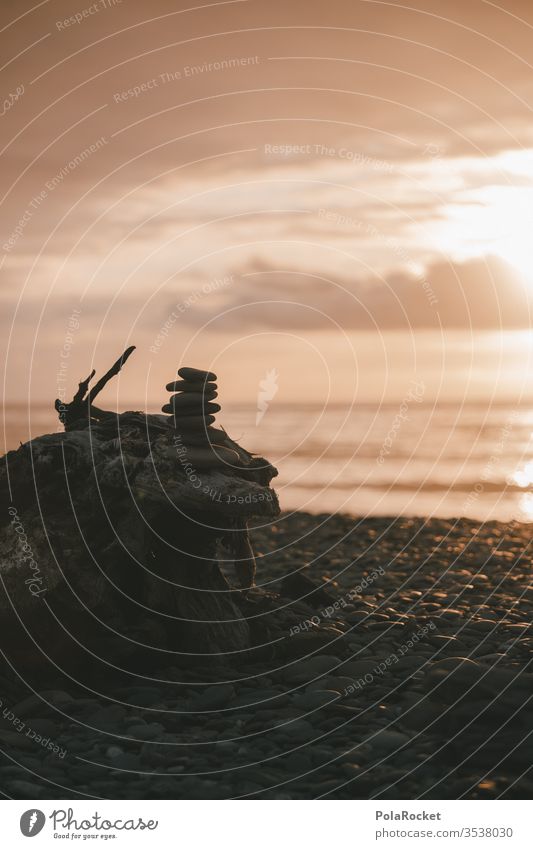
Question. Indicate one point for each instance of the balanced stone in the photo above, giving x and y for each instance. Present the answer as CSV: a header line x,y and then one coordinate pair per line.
x,y
191,386
202,408
193,410
196,374
184,401
192,407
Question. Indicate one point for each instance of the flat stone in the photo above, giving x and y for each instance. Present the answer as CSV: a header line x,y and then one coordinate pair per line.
x,y
114,751
214,697
42,726
256,698
25,790
457,676
337,683
127,761
196,374
389,741
483,626
189,422
451,613
32,705
299,730
142,696
297,762
186,400
492,659
146,732
316,699
202,387
85,772
306,670
39,704
359,668
109,714
16,740
183,406
84,706
350,769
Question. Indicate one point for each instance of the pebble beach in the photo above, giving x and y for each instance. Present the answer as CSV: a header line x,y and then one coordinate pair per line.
x,y
397,666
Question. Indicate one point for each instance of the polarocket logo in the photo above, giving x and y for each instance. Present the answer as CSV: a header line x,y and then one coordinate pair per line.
x,y
32,822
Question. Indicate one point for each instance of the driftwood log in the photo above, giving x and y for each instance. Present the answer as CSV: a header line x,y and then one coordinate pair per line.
x,y
108,550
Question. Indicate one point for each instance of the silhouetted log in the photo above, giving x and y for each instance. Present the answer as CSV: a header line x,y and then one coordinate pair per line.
x,y
109,542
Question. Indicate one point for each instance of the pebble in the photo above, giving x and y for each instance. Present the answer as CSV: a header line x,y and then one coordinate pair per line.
x,y
359,668
254,698
305,670
483,626
142,696
108,715
298,731
44,727
114,751
214,697
43,703
146,732
18,741
241,734
189,404
316,699
298,762
127,761
388,741
24,790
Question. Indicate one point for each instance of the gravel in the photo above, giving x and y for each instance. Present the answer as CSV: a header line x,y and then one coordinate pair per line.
x,y
407,674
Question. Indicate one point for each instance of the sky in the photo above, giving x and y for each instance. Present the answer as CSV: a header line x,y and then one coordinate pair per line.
x,y
322,189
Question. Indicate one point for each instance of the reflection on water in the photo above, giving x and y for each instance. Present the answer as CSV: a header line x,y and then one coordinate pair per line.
x,y
525,508
523,476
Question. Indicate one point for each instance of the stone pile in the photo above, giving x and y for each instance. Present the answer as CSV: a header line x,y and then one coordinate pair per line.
x,y
193,409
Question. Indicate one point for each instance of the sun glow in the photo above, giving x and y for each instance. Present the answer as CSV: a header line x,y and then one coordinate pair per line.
x,y
493,213
513,228
524,476
525,507
498,221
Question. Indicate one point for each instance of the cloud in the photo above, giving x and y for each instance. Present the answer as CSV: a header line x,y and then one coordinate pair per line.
x,y
183,189
481,293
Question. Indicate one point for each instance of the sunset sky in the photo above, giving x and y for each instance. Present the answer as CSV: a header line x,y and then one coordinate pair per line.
x,y
321,188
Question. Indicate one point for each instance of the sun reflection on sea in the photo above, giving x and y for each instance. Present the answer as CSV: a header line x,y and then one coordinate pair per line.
x,y
525,507
523,476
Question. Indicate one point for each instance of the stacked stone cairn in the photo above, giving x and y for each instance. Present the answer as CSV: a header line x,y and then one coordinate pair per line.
x,y
193,409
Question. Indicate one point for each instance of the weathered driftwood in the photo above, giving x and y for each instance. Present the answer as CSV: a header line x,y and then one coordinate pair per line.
x,y
110,536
